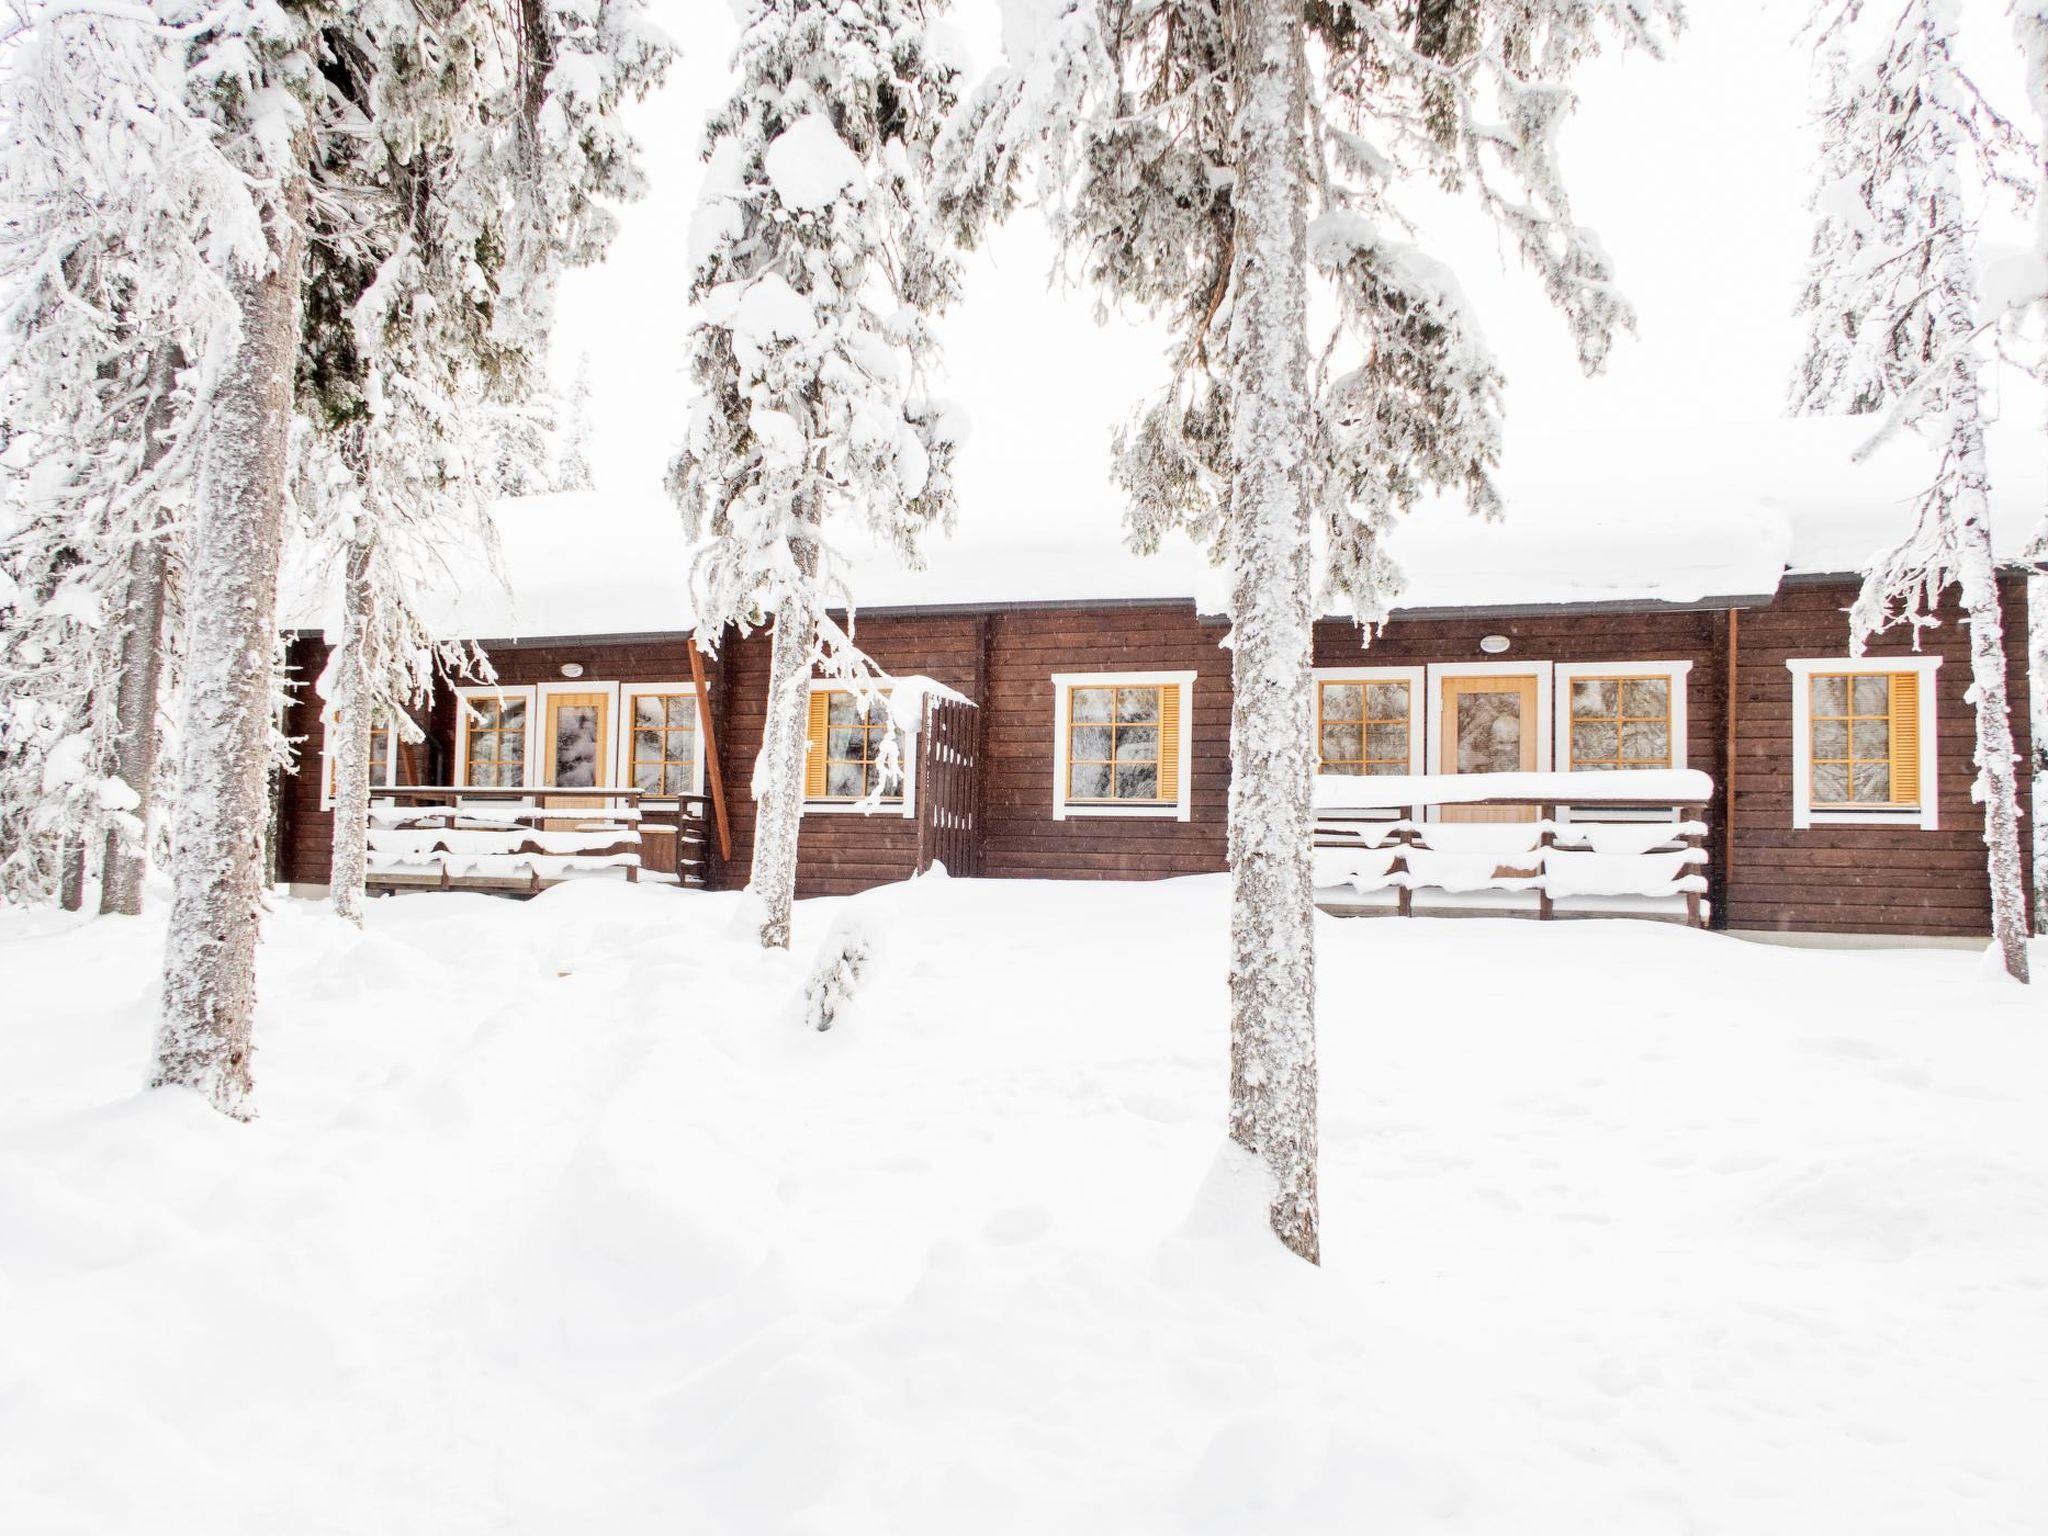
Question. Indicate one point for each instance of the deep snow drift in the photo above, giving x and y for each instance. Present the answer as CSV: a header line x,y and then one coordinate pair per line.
x,y
557,1218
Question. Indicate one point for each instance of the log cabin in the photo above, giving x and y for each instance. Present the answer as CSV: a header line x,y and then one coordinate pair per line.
x,y
1468,751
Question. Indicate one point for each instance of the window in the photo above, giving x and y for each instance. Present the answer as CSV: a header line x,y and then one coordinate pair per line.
x,y
661,740
492,730
1120,748
1365,722
843,768
1615,716
1620,722
1858,734
391,761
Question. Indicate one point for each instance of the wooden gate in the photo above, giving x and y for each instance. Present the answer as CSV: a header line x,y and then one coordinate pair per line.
x,y
946,829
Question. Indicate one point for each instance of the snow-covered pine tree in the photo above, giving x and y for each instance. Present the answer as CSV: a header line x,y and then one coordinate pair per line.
x,y
817,270
1178,149
1892,300
572,463
252,69
115,208
419,338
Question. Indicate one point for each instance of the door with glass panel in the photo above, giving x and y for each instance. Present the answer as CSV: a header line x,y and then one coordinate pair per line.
x,y
575,744
1489,726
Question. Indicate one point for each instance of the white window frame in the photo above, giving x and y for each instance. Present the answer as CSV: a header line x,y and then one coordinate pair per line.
x,y
1063,686
1417,679
907,809
1439,670
327,762
1926,815
518,691
622,729
536,727
1678,673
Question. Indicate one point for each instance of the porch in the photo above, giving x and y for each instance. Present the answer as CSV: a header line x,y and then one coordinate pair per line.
x,y
1543,845
522,841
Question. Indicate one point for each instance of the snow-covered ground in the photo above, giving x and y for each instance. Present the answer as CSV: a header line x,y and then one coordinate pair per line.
x,y
557,1219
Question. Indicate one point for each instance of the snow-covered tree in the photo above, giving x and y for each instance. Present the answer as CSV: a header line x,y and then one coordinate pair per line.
x,y
116,214
1213,163
817,270
1893,305
419,339
572,462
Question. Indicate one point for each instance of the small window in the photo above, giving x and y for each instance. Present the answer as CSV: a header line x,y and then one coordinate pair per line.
x,y
662,747
392,761
1120,748
845,760
494,741
1363,725
1620,722
1114,745
1864,734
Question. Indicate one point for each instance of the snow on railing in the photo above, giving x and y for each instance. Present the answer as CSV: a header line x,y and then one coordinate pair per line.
x,y
442,835
1377,834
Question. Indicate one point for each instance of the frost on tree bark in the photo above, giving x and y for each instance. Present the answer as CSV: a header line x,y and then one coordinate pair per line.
x,y
779,770
1998,766
203,1037
1272,937
140,663
349,730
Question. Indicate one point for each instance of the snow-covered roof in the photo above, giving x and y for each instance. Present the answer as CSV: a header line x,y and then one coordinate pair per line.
x,y
1680,517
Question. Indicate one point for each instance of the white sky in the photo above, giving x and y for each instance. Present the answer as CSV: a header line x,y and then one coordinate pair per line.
x,y
1693,170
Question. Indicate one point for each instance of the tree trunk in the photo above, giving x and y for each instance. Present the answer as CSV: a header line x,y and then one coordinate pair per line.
x,y
203,1037
71,873
1998,769
1272,934
140,664
349,731
779,771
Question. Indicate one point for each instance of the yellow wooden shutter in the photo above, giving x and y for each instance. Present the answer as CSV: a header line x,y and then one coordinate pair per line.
x,y
1169,743
814,754
1905,733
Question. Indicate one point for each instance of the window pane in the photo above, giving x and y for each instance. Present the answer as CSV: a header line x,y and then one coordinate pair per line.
x,y
1094,703
1593,743
512,714
1138,783
840,708
647,777
675,779
1387,701
1389,766
1091,743
512,746
1333,765
1830,738
1593,697
845,745
1873,783
1830,696
1389,743
843,780
1342,743
1873,695
1830,783
1137,744
1646,745
1873,738
1342,701
646,745
1646,698
1141,704
1088,781
576,745
647,709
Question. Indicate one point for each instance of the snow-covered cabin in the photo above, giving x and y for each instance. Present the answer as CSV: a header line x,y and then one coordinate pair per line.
x,y
1692,622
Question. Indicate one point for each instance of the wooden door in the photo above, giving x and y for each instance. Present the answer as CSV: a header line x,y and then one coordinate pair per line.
x,y
575,743
1489,726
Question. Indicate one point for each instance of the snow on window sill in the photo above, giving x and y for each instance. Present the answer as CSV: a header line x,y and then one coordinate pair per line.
x,y
897,808
1163,811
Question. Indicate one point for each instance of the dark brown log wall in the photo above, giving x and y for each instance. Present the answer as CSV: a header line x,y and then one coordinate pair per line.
x,y
1862,879
1877,880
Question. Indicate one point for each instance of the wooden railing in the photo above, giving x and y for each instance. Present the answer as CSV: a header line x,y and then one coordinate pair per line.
x,y
453,837
1582,850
